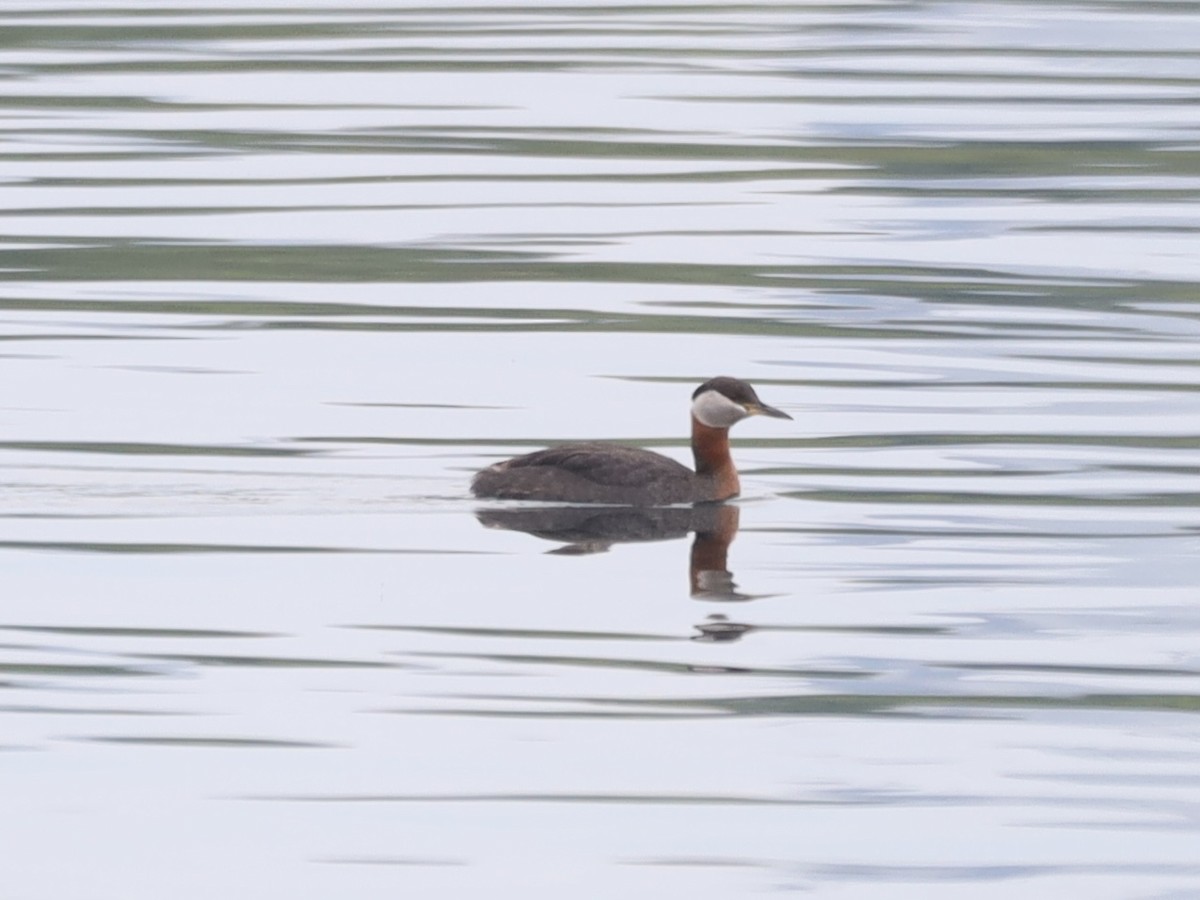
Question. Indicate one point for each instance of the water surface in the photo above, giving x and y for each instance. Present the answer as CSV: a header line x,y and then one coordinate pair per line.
x,y
275,280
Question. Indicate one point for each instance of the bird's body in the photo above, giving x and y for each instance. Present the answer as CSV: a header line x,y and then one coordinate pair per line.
x,y
610,473
590,473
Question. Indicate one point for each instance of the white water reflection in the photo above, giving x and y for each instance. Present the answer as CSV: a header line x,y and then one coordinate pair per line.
x,y
276,281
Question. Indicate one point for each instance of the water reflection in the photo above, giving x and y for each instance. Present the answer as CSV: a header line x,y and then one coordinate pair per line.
x,y
718,629
595,529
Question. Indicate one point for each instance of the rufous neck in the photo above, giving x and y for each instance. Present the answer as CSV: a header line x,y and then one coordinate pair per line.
x,y
710,448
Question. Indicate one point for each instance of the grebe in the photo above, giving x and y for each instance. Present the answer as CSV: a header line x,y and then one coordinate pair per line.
x,y
628,476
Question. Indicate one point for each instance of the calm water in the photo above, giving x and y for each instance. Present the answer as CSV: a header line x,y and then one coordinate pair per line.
x,y
275,280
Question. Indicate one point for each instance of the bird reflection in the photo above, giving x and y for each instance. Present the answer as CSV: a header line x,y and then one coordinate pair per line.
x,y
595,529
717,629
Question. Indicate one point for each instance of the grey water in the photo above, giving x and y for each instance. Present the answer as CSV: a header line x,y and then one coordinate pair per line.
x,y
275,279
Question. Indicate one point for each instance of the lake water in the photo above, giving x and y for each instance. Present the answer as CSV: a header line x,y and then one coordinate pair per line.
x,y
276,279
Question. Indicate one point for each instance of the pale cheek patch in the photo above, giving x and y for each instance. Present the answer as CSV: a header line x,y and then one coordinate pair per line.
x,y
716,410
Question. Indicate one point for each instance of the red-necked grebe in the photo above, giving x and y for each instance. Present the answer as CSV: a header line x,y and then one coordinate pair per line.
x,y
628,476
